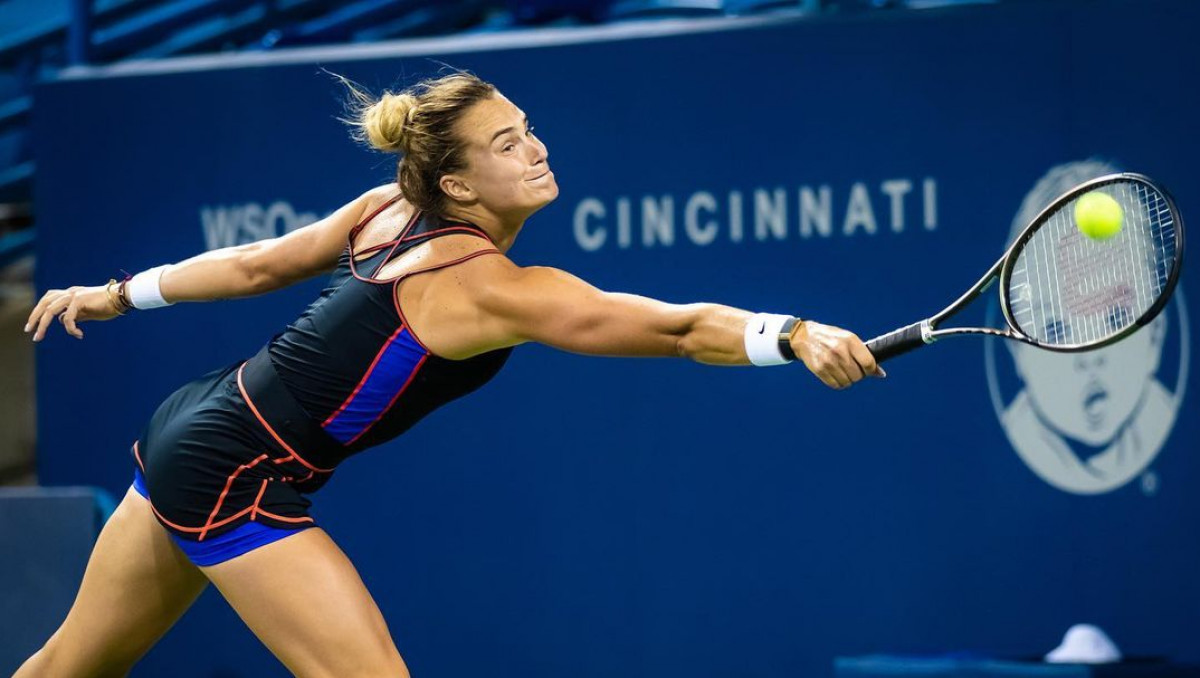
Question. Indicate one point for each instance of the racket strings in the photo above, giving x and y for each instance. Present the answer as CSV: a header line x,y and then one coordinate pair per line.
x,y
1066,288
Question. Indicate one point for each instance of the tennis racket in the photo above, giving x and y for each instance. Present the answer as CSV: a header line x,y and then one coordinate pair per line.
x,y
1064,291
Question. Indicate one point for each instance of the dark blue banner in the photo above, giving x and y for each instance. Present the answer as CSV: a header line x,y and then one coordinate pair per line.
x,y
597,517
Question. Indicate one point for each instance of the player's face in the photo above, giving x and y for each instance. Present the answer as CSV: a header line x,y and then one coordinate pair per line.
x,y
507,169
1088,396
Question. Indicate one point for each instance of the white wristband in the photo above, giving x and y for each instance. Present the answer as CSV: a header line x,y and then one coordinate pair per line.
x,y
762,339
144,290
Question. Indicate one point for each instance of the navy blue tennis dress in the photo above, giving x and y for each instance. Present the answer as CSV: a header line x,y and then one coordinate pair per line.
x,y
227,460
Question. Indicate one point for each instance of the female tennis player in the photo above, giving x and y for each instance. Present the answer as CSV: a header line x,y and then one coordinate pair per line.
x,y
422,307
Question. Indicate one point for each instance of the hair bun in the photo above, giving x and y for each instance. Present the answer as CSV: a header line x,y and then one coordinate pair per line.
x,y
418,123
386,122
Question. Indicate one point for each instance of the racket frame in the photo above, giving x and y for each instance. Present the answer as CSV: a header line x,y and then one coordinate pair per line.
x,y
1002,271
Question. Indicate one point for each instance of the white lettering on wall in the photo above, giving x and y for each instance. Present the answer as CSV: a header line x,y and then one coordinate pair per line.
x,y
860,209
700,234
593,239
229,225
658,221
735,216
930,204
896,189
816,211
770,214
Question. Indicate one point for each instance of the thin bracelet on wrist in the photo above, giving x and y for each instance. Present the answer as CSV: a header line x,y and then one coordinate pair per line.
x,y
123,294
114,297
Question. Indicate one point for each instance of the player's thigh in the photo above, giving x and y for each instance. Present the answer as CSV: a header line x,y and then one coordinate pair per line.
x,y
305,601
136,586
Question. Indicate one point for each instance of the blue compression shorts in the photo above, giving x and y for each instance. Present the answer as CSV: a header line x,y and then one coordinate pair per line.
x,y
225,546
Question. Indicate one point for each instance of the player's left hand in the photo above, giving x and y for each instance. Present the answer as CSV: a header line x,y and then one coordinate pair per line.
x,y
71,306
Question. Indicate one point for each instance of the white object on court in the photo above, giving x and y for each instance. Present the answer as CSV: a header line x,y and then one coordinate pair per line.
x,y
1085,644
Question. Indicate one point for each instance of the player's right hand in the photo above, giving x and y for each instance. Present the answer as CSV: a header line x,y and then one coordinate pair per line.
x,y
70,306
837,357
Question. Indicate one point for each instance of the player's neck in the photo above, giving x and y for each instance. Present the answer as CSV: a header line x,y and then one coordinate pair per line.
x,y
502,230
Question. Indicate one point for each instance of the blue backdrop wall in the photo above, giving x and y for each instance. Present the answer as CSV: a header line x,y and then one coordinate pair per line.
x,y
594,517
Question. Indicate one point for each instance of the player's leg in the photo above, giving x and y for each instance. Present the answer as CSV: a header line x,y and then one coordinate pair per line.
x,y
136,585
305,601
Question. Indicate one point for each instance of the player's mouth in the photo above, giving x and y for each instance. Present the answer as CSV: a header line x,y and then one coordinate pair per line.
x,y
1095,401
541,176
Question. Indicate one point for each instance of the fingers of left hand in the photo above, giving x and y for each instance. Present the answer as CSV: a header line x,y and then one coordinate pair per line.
x,y
68,319
52,311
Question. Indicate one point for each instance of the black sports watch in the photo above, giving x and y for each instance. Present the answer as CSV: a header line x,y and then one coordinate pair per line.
x,y
785,337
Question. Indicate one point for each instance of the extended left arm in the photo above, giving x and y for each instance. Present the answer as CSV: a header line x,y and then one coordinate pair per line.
x,y
227,273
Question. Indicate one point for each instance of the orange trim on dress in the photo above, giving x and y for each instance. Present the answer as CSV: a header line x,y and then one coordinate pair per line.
x,y
284,445
305,519
214,526
391,402
401,239
359,226
378,210
261,490
429,234
224,492
138,456
361,382
434,267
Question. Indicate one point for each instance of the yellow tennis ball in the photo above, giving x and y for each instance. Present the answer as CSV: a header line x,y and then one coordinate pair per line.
x,y
1098,216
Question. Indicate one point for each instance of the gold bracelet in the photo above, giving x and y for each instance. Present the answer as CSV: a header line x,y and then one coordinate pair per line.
x,y
114,299
123,295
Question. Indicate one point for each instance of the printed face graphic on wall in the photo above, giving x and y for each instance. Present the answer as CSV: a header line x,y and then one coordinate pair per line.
x,y
1088,422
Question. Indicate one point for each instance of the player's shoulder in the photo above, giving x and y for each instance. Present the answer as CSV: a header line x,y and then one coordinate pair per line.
x,y
374,198
489,277
382,193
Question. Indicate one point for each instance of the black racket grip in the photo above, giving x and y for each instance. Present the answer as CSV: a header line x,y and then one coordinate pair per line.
x,y
896,343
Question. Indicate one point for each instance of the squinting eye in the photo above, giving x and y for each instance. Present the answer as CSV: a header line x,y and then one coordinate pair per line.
x,y
508,147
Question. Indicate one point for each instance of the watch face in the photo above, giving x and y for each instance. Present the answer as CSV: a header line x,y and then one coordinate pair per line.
x,y
785,338
789,328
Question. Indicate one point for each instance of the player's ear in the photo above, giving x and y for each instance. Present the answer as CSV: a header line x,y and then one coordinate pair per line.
x,y
456,188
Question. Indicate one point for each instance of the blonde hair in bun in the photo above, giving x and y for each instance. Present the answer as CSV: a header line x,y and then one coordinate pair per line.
x,y
417,123
384,123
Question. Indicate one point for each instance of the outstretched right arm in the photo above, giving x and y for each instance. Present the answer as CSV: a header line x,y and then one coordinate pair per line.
x,y
231,272
495,303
